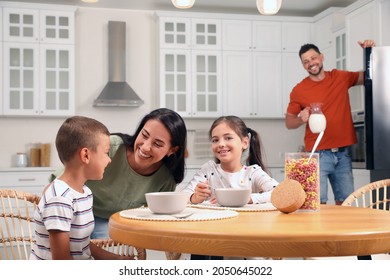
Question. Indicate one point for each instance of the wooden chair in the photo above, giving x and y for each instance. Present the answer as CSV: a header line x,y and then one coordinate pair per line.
x,y
16,229
374,195
16,218
120,249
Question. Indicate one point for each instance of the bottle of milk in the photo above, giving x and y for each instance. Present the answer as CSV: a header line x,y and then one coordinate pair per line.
x,y
317,120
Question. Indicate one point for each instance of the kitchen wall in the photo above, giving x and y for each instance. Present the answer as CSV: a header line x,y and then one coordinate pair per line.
x,y
18,134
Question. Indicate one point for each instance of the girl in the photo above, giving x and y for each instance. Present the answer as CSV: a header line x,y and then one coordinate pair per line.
x,y
230,137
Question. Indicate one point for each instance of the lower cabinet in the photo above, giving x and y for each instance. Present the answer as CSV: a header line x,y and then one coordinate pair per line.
x,y
277,173
30,179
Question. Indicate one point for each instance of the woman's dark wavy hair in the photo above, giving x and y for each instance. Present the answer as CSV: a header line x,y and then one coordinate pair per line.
x,y
176,127
256,150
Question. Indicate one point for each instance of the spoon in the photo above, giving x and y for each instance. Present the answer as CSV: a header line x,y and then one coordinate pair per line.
x,y
177,216
319,137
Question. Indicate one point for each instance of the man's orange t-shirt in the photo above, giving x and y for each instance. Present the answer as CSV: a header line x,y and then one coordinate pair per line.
x,y
332,92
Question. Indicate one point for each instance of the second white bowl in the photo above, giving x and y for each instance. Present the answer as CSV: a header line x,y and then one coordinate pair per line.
x,y
232,197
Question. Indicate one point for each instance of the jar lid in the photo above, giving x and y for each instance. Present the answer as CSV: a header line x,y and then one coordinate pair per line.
x,y
288,196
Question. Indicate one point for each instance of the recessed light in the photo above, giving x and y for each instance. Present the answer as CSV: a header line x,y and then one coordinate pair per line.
x,y
90,1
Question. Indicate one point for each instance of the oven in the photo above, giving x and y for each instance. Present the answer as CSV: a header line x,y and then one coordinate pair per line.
x,y
358,150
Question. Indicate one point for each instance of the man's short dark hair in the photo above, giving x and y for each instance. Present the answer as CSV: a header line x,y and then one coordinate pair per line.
x,y
307,47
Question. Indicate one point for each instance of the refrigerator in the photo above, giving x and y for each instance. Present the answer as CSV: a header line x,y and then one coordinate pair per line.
x,y
377,111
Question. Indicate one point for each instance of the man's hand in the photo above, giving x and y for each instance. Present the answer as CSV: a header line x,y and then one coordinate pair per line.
x,y
367,43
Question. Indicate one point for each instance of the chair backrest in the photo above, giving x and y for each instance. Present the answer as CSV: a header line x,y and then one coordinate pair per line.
x,y
373,195
16,219
120,249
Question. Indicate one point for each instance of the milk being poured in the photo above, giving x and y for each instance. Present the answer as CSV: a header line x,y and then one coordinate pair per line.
x,y
317,123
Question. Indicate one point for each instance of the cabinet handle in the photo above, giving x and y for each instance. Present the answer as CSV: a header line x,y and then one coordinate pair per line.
x,y
26,179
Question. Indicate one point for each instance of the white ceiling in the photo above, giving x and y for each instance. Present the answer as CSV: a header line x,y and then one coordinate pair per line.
x,y
289,7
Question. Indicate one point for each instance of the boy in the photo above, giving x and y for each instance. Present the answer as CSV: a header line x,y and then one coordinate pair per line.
x,y
64,217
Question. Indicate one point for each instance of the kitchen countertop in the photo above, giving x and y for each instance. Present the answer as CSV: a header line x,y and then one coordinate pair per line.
x,y
27,169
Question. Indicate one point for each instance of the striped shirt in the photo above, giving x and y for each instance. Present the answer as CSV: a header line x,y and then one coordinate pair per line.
x,y
64,209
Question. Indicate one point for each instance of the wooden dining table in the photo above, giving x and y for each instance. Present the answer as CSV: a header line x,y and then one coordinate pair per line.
x,y
331,231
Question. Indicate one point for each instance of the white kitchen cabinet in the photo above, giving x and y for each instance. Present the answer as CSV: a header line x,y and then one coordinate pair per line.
x,y
294,35
33,25
206,34
251,35
251,88
20,25
341,49
361,23
278,173
187,33
38,87
202,97
174,33
245,57
293,73
38,61
30,179
190,66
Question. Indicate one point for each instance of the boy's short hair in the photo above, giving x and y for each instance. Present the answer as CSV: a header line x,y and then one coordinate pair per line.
x,y
76,133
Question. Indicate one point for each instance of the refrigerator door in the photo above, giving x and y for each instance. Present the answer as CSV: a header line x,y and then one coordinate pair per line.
x,y
381,107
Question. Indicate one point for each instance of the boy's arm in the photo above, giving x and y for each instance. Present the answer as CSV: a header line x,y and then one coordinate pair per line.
x,y
60,245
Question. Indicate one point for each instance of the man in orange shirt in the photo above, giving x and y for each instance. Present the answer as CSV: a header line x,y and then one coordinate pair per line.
x,y
331,89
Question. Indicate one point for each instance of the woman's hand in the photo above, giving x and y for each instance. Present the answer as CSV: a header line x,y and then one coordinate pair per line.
x,y
201,193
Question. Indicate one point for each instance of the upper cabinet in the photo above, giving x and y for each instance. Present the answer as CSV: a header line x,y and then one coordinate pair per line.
x,y
38,60
362,21
251,57
210,67
190,66
294,35
248,35
45,26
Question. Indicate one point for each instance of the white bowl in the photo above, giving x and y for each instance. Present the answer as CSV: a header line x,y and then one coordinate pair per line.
x,y
233,197
167,202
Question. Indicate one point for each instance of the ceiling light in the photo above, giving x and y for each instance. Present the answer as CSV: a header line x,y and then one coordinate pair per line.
x,y
268,7
90,1
183,4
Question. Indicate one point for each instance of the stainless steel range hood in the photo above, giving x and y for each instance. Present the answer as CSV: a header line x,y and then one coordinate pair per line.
x,y
117,92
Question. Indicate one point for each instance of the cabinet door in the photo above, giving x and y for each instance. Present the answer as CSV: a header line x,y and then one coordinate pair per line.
x,y
294,35
341,49
175,33
206,86
21,79
20,25
57,84
267,97
293,73
267,36
206,34
56,27
175,82
277,173
361,24
237,84
322,32
237,35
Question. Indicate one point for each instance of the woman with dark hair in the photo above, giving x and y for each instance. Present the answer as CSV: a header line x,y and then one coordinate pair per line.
x,y
150,160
